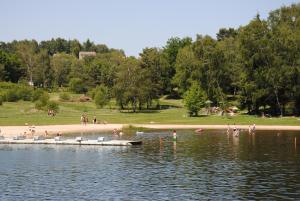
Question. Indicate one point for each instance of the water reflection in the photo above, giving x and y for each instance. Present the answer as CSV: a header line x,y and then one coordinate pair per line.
x,y
211,165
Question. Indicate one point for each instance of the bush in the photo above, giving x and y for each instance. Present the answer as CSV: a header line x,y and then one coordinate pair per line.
x,y
37,94
76,85
7,85
64,96
101,96
1,100
42,102
92,93
194,99
44,98
11,95
40,105
13,92
24,93
51,105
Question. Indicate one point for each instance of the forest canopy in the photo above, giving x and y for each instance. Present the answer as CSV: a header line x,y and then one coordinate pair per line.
x,y
257,65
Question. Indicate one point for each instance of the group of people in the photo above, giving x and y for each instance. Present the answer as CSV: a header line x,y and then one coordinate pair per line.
x,y
84,119
51,113
236,131
117,133
251,129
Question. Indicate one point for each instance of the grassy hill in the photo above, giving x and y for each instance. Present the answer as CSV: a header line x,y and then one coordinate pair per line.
x,y
172,112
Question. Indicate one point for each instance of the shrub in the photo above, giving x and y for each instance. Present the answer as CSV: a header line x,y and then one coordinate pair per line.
x,y
92,93
101,96
64,96
24,93
194,99
7,85
42,102
1,100
76,85
40,105
51,105
37,94
44,98
11,95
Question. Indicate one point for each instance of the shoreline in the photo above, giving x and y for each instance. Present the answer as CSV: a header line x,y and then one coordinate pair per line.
x,y
10,131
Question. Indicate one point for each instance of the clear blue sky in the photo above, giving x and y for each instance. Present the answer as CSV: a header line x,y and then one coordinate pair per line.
x,y
129,25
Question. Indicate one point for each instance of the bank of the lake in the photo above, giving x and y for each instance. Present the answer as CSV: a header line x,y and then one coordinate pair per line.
x,y
9,131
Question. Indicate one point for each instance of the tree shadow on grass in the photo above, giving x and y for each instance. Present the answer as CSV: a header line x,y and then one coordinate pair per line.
x,y
150,110
139,111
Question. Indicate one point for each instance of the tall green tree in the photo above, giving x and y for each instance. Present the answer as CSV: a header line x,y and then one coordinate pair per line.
x,y
154,66
10,68
26,50
194,99
61,64
102,96
43,72
186,66
257,57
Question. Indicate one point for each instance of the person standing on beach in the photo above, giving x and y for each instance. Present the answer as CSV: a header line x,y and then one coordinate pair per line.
x,y
85,119
94,120
82,119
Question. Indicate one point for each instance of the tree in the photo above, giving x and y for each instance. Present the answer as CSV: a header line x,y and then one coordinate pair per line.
x,y
226,33
76,85
186,65
61,64
10,68
170,52
88,45
26,50
194,99
284,74
54,46
75,47
153,66
102,96
257,57
43,72
132,84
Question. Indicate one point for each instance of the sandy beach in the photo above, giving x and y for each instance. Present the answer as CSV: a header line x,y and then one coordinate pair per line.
x,y
9,131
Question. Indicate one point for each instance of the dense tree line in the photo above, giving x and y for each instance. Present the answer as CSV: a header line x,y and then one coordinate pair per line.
x,y
257,65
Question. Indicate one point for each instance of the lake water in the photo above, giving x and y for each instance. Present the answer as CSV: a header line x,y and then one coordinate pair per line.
x,y
212,165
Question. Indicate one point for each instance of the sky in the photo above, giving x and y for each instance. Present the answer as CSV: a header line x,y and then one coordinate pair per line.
x,y
130,25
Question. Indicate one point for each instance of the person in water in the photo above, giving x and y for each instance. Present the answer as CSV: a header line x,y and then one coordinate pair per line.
x,y
174,135
94,120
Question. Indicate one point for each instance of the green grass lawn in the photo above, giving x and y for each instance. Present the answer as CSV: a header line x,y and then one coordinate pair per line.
x,y
23,112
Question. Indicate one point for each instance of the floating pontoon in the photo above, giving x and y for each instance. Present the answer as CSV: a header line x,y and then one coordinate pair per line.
x,y
78,141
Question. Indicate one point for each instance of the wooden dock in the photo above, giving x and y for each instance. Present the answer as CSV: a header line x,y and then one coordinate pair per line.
x,y
70,142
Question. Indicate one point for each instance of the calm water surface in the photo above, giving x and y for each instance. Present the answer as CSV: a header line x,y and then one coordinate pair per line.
x,y
212,165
